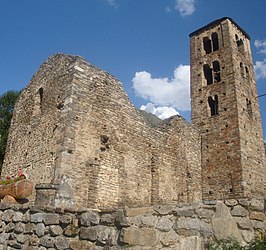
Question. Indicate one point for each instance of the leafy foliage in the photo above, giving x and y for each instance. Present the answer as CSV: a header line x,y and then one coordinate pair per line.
x,y
7,103
259,243
225,244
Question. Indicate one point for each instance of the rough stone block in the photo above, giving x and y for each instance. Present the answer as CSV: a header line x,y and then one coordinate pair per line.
x,y
193,225
243,223
37,218
148,221
139,236
51,219
62,243
131,212
65,219
55,230
89,218
239,211
88,233
257,205
8,215
257,216
164,224
47,241
192,242
71,230
40,229
223,223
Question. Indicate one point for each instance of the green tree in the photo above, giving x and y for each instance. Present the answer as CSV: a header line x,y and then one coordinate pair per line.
x,y
7,103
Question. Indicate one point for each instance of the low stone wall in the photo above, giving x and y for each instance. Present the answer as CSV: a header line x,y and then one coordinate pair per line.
x,y
179,226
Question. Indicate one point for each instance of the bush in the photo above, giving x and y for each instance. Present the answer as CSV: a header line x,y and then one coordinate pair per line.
x,y
259,243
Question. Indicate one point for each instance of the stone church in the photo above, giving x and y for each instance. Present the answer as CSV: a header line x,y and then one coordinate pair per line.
x,y
77,136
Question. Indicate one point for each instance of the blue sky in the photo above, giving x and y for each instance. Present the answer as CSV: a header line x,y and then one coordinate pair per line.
x,y
143,43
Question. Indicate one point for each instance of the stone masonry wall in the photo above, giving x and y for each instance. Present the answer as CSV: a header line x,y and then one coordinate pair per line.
x,y
176,226
37,133
74,127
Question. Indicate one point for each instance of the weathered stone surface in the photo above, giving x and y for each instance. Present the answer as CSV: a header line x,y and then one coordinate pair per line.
x,y
62,243
40,229
106,235
3,238
89,218
243,223
55,230
231,202
148,221
8,215
164,224
169,239
51,219
37,218
186,212
18,216
88,233
223,223
239,211
47,241
248,236
256,205
193,225
204,213
30,228
19,228
253,215
163,210
71,230
259,225
65,219
139,236
189,243
132,212
81,245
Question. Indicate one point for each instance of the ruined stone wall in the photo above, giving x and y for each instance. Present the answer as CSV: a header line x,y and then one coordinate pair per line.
x,y
86,137
232,146
118,158
182,226
37,130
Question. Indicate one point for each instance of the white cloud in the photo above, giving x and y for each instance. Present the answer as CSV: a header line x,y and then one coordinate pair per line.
x,y
185,7
164,92
261,45
260,69
161,112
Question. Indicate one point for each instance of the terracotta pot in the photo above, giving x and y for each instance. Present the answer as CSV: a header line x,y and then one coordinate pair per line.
x,y
19,190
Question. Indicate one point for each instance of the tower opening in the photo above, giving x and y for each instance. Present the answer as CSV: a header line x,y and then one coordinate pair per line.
x,y
207,45
213,104
215,41
208,74
216,69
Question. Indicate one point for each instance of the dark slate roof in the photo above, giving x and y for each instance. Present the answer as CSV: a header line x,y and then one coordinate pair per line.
x,y
215,23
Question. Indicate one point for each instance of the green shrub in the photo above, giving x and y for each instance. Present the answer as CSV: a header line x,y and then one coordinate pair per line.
x,y
259,243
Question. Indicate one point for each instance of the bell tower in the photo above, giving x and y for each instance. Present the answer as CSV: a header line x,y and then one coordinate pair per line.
x,y
226,111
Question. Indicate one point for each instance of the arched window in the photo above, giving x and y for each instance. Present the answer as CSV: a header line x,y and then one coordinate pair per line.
x,y
207,45
208,74
216,70
213,104
215,42
38,102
